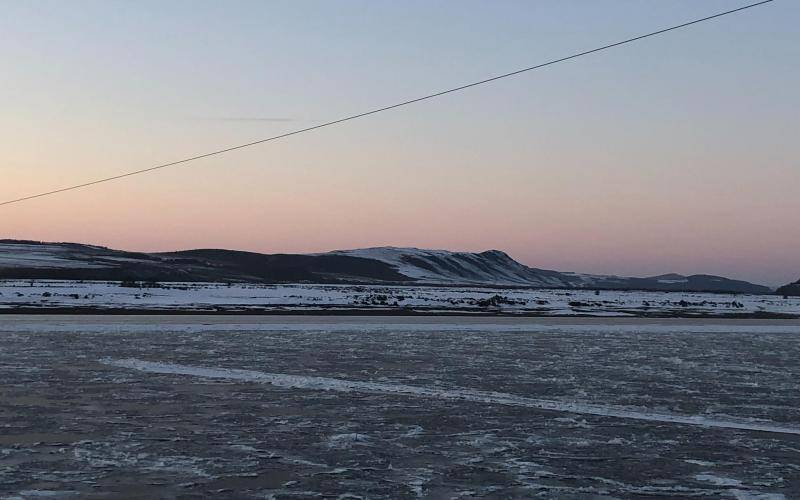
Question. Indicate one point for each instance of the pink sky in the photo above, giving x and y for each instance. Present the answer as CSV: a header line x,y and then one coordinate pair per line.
x,y
675,155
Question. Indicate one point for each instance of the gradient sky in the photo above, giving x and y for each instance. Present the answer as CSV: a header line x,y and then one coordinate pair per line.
x,y
676,154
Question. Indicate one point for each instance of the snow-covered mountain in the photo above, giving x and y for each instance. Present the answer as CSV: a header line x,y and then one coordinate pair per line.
x,y
72,261
494,267
442,266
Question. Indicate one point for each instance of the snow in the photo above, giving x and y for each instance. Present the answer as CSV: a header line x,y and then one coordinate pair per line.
x,y
717,480
755,495
454,267
345,441
485,397
735,484
393,257
41,257
99,295
44,494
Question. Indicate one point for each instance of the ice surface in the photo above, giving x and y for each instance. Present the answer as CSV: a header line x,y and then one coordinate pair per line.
x,y
339,385
399,407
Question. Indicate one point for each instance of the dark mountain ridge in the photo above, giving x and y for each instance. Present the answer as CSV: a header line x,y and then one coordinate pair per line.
x,y
387,265
792,289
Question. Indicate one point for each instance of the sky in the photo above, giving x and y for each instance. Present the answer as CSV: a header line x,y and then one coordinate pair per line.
x,y
674,154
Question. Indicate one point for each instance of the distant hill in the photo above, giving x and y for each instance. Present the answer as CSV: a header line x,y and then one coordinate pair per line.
x,y
695,282
389,265
790,289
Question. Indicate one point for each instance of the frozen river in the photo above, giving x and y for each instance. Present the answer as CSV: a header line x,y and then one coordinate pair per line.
x,y
398,407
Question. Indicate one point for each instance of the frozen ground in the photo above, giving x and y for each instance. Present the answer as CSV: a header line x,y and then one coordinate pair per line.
x,y
74,296
345,407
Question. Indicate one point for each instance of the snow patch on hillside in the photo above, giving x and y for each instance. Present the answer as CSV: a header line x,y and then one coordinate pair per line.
x,y
41,257
492,267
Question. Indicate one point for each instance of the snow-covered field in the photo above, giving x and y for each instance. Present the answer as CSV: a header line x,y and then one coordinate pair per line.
x,y
98,296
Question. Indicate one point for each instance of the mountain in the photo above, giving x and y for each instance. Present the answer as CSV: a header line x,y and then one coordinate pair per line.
x,y
27,259
497,268
442,266
389,265
790,289
677,282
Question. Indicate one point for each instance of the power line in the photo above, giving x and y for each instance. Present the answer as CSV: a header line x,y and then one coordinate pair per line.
x,y
385,108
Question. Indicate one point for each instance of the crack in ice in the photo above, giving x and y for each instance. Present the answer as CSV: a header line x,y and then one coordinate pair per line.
x,y
475,396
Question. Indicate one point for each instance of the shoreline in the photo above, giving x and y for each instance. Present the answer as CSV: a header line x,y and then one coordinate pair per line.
x,y
366,312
